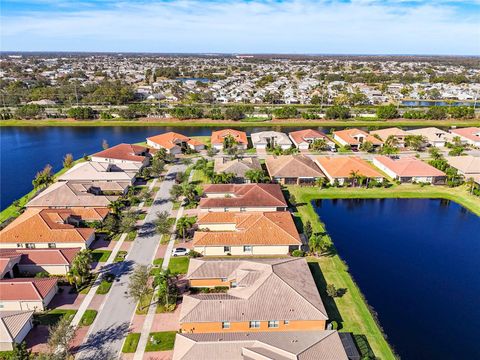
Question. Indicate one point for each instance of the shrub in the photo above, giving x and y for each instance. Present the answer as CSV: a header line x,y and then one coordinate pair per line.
x,y
81,113
337,112
298,253
387,112
30,111
194,254
285,112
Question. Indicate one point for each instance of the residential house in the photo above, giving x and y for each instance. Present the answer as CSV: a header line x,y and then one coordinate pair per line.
x,y
239,198
124,153
25,294
174,143
46,228
434,137
304,138
240,138
285,345
93,171
409,169
83,197
469,135
238,167
395,132
468,166
355,138
270,139
341,169
14,327
293,169
264,295
246,233
55,261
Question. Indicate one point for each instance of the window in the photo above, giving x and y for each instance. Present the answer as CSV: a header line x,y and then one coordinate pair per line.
x,y
30,246
286,322
242,209
273,324
52,245
19,245
223,279
255,324
226,249
226,325
247,248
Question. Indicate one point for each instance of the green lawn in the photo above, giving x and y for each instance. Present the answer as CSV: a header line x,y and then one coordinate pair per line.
x,y
143,304
85,288
101,255
158,262
351,310
88,317
179,264
104,287
161,341
131,235
51,317
131,343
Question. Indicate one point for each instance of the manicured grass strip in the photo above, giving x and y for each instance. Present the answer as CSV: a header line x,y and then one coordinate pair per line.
x,y
131,343
104,287
179,264
51,317
224,123
158,262
131,235
143,304
88,317
160,341
351,310
120,256
100,255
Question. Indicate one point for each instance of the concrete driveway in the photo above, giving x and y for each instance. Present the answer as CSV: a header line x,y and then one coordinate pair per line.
x,y
112,324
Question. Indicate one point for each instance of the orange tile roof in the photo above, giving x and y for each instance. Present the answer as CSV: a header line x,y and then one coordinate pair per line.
x,y
343,166
170,139
247,195
239,136
300,135
409,166
255,228
124,152
44,226
348,136
90,214
26,289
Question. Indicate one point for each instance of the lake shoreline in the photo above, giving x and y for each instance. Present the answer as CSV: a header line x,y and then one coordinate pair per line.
x,y
231,123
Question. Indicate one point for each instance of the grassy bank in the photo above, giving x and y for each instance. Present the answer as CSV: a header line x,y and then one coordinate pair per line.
x,y
351,310
229,123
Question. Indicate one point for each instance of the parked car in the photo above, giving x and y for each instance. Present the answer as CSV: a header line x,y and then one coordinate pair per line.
x,y
180,252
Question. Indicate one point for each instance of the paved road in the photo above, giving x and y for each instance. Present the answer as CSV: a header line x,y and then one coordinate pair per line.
x,y
106,335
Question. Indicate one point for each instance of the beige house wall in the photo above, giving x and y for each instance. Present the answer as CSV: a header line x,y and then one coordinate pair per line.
x,y
238,250
51,269
242,209
45,245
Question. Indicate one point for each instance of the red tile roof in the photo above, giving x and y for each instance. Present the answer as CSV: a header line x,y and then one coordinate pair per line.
x,y
239,136
27,289
247,195
471,133
57,256
124,152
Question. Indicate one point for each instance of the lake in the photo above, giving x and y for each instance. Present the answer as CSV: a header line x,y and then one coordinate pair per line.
x,y
417,263
26,150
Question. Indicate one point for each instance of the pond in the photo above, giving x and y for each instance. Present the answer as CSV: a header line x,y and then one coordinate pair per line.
x,y
417,263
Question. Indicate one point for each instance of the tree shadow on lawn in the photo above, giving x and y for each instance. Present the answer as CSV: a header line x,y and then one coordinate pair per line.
x,y
330,306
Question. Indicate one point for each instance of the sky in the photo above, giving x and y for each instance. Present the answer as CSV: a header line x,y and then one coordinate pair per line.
x,y
436,27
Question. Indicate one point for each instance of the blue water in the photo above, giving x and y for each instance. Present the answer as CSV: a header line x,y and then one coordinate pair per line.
x,y
26,150
417,263
435,103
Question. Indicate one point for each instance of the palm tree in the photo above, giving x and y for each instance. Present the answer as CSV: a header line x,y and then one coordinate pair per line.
x,y
354,177
184,224
320,182
229,142
187,161
80,268
255,175
162,223
470,184
201,164
116,206
319,145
